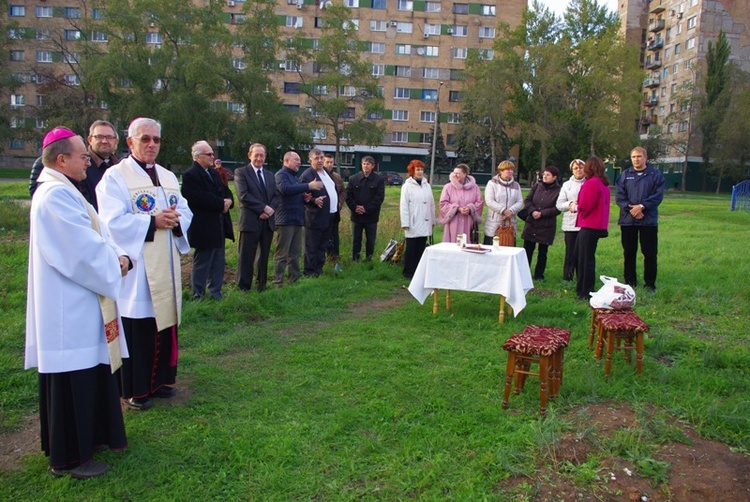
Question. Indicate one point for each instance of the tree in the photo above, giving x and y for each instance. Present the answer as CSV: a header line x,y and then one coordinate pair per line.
x,y
337,82
681,124
716,101
442,164
732,148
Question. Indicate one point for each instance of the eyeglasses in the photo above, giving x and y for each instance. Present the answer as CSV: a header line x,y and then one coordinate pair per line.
x,y
104,137
211,154
147,139
84,156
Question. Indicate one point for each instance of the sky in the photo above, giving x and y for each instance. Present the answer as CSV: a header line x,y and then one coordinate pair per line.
x,y
558,6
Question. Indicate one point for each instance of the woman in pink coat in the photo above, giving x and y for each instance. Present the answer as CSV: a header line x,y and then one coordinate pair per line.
x,y
461,204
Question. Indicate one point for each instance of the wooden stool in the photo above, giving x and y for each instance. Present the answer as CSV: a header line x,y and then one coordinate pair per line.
x,y
596,327
627,328
541,345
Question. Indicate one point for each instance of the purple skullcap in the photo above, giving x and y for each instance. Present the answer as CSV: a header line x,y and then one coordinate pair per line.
x,y
57,134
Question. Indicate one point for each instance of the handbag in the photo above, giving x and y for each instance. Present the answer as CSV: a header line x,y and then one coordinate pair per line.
x,y
474,236
506,233
523,213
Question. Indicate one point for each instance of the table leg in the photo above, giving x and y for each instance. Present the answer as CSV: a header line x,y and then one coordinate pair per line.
x,y
435,301
501,315
447,299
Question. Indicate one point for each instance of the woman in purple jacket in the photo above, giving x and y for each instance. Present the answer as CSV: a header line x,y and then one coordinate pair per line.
x,y
593,219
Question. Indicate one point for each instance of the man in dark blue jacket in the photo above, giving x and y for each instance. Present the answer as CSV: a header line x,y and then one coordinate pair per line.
x,y
640,190
319,210
290,218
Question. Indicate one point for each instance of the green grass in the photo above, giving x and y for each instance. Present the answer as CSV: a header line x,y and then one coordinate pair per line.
x,y
343,387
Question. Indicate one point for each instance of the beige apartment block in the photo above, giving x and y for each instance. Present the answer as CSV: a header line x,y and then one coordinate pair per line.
x,y
417,50
674,36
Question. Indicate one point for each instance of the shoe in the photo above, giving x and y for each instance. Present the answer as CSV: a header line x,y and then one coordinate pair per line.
x,y
165,392
92,469
139,403
539,278
197,297
650,289
337,268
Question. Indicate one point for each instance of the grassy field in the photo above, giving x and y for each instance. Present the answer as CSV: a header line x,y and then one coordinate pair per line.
x,y
344,387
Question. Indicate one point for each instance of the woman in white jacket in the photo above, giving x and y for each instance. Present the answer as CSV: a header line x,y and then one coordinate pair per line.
x,y
567,203
417,215
503,199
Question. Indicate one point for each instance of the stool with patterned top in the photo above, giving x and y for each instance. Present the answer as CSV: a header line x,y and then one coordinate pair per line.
x,y
629,329
541,345
596,327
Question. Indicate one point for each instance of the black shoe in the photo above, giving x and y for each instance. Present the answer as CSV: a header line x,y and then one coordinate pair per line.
x,y
165,392
139,403
539,278
92,469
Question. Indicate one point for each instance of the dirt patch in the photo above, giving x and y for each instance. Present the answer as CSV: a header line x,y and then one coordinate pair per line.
x,y
590,463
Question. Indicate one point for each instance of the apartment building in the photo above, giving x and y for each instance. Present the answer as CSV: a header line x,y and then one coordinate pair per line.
x,y
417,50
674,36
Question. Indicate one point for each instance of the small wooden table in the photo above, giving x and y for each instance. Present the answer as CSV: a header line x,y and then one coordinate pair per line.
x,y
504,271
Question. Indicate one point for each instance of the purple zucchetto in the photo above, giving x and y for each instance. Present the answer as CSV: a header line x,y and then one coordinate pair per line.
x,y
57,134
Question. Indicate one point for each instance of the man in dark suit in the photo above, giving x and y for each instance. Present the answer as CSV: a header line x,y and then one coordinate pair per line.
x,y
318,213
256,191
209,200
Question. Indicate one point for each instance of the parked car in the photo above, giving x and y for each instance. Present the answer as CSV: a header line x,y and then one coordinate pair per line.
x,y
392,178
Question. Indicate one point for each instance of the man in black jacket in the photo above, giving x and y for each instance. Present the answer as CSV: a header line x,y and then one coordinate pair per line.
x,y
364,196
209,200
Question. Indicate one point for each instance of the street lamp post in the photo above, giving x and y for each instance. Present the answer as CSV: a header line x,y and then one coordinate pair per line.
x,y
434,135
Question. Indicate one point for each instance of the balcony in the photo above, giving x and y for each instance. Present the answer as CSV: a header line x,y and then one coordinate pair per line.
x,y
646,120
654,81
652,64
656,25
652,101
655,45
657,9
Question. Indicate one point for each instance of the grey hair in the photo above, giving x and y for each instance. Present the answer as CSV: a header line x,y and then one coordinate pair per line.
x,y
197,146
141,122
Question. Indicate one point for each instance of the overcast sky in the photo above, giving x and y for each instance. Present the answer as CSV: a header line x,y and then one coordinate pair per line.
x,y
559,5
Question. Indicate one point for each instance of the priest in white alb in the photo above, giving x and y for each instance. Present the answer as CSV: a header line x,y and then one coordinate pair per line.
x,y
72,327
141,205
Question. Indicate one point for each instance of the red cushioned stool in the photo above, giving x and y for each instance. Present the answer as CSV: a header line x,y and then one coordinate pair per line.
x,y
596,327
541,345
626,328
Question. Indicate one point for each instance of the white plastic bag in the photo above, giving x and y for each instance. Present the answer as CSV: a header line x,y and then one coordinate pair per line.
x,y
613,295
390,250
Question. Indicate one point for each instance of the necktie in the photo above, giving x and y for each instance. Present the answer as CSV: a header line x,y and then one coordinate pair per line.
x,y
262,185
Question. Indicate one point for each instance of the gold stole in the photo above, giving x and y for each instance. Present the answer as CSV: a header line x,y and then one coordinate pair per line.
x,y
107,305
161,257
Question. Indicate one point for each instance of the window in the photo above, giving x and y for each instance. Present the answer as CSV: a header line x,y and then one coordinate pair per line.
x,y
401,115
352,4
43,56
238,64
460,8
294,22
676,49
405,5
679,28
43,11
378,25
43,34
460,30
663,92
17,100
351,25
319,133
430,73
429,94
691,22
378,70
290,65
457,74
454,118
319,23
455,96
350,113
72,79
432,6
348,91
18,11
40,124
690,43
675,69
72,12
431,50
15,34
39,100
664,73
404,27
425,138
486,54
399,137
377,47
72,35
320,90
236,107
673,89
378,115
450,140
667,53
426,116
71,57
17,144
17,55
432,29
401,93
97,13
98,36
16,122
379,4
315,113
403,49
291,87
458,52
488,10
486,32
402,71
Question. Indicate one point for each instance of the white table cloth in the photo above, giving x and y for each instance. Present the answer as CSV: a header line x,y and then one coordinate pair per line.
x,y
504,271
